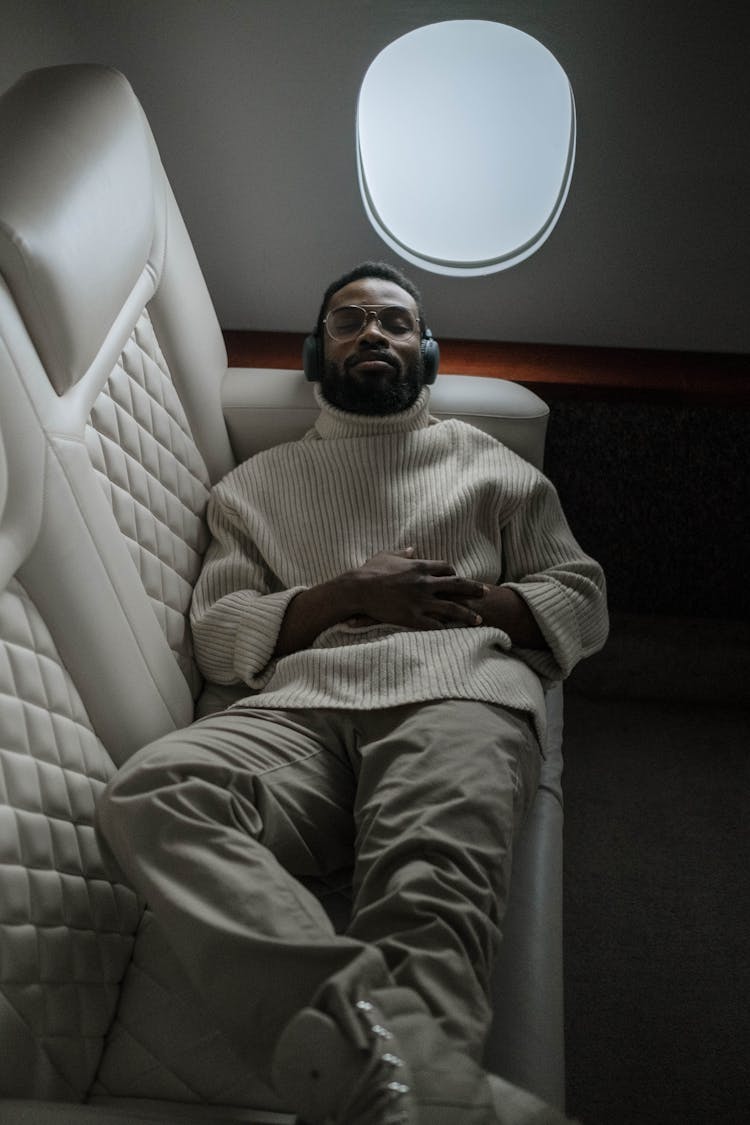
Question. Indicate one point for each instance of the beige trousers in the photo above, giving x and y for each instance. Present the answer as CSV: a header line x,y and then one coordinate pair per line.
x,y
219,825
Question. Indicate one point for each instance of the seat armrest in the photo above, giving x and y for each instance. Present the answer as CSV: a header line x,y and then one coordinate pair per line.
x,y
526,1044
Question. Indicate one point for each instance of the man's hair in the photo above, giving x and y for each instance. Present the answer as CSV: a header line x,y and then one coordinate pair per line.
x,y
370,269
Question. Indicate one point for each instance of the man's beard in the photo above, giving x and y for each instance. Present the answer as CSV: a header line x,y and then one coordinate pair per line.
x,y
373,394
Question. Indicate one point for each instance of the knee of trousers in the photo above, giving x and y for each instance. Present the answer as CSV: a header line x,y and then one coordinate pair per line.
x,y
116,805
161,781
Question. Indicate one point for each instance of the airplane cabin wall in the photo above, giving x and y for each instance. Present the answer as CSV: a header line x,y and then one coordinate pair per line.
x,y
253,107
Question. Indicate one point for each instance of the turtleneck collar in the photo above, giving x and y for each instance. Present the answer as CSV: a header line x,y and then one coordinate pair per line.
x,y
335,423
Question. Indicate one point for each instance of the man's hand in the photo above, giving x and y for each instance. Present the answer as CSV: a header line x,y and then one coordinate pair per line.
x,y
504,609
395,588
392,588
436,598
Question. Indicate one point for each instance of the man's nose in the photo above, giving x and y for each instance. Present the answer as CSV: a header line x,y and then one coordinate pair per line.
x,y
371,330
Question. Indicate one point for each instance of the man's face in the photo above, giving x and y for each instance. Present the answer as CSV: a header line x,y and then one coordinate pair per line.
x,y
372,373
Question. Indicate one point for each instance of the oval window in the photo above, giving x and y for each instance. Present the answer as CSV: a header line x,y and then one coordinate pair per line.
x,y
465,145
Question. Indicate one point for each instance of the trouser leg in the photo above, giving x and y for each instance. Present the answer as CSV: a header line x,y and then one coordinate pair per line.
x,y
443,790
207,824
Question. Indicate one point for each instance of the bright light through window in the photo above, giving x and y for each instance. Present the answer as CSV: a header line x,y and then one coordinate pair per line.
x,y
465,145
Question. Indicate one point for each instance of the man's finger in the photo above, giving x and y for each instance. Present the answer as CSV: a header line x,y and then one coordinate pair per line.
x,y
455,612
459,588
438,568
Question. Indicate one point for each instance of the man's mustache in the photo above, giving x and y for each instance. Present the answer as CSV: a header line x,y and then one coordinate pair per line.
x,y
371,355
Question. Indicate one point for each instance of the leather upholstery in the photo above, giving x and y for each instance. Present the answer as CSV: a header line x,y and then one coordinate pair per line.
x,y
66,930
68,292
111,431
146,460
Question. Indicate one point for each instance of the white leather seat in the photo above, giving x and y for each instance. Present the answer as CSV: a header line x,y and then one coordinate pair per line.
x,y
111,434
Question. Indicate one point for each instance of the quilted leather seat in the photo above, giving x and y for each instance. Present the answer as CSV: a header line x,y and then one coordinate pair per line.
x,y
112,431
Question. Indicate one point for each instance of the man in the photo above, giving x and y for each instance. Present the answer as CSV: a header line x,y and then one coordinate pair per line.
x,y
393,591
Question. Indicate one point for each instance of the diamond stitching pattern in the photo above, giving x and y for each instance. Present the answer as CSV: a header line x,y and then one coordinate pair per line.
x,y
66,931
163,1045
141,447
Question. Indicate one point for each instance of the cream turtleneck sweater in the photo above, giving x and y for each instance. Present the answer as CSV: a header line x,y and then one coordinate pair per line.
x,y
304,512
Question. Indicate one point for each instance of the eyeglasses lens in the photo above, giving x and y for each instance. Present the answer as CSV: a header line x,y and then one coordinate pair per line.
x,y
347,322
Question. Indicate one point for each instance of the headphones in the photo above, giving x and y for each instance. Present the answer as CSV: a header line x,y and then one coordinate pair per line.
x,y
312,357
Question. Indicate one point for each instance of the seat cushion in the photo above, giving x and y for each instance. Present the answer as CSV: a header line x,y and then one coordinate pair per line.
x,y
164,1046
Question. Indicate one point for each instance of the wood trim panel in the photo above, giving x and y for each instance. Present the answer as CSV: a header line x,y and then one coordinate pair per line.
x,y
554,371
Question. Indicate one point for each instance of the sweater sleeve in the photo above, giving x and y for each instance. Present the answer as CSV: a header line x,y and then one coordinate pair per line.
x,y
236,613
563,587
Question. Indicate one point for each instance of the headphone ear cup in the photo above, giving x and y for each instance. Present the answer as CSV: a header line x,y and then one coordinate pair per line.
x,y
311,358
430,357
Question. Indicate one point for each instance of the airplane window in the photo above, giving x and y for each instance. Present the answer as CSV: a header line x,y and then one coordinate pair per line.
x,y
465,145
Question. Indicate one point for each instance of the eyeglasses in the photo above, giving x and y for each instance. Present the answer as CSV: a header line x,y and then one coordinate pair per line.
x,y
347,322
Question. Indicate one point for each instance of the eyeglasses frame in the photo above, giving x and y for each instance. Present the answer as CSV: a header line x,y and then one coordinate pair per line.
x,y
370,313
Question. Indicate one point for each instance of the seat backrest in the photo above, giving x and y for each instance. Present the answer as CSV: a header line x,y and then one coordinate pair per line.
x,y
111,433
264,407
127,353
66,929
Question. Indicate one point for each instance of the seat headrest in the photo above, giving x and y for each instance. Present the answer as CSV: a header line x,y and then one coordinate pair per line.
x,y
77,210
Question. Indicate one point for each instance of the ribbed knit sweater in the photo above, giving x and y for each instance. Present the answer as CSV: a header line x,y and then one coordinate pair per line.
x,y
304,512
